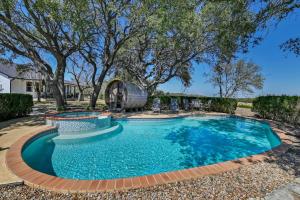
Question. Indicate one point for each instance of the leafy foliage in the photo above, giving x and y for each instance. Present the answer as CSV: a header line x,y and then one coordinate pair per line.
x,y
15,105
176,38
292,45
44,34
282,108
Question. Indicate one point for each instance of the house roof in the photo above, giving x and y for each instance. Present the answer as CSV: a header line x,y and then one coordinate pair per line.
x,y
12,71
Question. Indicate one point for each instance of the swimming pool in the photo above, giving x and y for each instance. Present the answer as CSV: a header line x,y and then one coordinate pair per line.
x,y
144,147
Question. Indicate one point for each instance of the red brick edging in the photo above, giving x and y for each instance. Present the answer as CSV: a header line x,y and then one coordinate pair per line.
x,y
55,116
41,180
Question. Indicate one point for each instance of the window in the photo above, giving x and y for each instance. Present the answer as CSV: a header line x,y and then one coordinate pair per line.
x,y
28,86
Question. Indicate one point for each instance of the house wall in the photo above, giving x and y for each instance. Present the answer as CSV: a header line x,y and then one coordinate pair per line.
x,y
5,84
19,86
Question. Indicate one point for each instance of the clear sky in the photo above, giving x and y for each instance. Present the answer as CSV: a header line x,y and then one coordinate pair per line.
x,y
280,69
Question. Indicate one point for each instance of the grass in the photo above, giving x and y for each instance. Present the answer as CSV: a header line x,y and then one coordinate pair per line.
x,y
245,100
245,106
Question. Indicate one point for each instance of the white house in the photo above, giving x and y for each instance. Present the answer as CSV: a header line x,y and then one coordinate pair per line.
x,y
29,82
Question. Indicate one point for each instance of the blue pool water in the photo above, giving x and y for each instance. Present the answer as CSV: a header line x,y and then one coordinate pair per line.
x,y
144,147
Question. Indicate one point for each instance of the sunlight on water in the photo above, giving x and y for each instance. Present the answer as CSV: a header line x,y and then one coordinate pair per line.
x,y
145,147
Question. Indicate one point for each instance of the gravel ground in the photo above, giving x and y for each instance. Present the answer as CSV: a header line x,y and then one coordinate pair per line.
x,y
252,181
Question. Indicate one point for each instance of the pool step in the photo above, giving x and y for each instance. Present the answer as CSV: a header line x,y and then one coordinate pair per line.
x,y
87,135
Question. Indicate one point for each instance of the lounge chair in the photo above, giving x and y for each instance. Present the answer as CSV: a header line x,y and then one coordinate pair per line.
x,y
196,104
156,105
207,105
174,105
186,104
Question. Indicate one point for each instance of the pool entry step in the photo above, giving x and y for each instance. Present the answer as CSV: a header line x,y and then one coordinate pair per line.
x,y
78,125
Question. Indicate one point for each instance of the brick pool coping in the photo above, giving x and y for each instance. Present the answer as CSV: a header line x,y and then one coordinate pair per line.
x,y
33,178
54,115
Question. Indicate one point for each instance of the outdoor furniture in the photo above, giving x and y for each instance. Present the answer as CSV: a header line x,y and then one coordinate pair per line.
x,y
207,105
196,104
156,105
174,105
186,104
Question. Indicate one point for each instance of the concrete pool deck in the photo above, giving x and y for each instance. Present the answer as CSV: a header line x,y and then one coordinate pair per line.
x,y
10,132
40,180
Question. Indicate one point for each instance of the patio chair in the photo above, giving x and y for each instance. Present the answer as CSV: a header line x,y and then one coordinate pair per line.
x,y
156,105
201,105
186,104
174,105
195,104
207,105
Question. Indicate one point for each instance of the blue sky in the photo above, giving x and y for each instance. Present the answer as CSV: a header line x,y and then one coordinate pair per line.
x,y
281,70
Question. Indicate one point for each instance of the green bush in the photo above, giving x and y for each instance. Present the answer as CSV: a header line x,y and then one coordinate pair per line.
x,y
226,105
15,105
281,108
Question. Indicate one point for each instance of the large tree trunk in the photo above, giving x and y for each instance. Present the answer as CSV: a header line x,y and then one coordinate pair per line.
x,y
38,96
96,89
58,95
94,96
59,85
80,96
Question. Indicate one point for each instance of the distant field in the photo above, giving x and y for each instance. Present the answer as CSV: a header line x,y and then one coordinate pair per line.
x,y
245,100
244,105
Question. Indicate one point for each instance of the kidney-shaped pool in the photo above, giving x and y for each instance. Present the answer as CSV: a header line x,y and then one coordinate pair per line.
x,y
150,146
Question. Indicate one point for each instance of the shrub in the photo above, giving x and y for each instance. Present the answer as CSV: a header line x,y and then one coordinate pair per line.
x,y
281,108
15,105
226,105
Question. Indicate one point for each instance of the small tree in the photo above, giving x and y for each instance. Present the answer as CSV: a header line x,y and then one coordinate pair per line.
x,y
80,72
236,77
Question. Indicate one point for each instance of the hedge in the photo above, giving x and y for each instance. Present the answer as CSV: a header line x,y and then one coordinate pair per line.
x,y
225,105
15,105
280,108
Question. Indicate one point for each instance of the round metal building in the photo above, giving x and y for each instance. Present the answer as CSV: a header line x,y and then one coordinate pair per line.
x,y
121,95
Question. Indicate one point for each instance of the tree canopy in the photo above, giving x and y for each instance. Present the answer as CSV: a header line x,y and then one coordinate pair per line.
x,y
151,41
43,34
